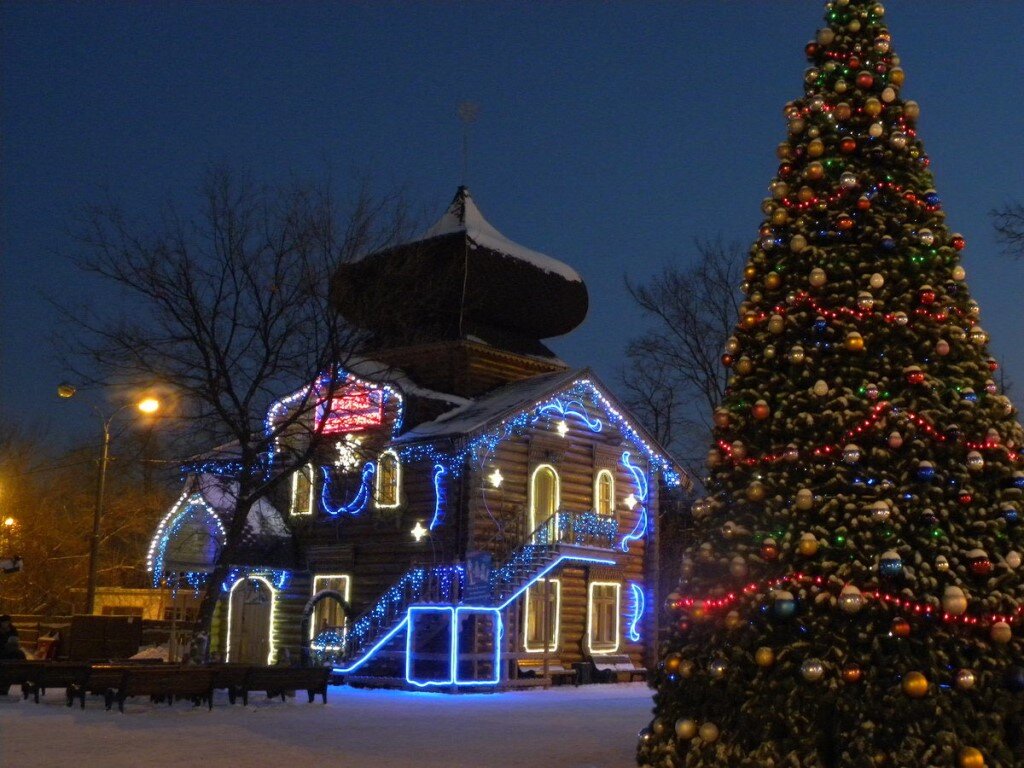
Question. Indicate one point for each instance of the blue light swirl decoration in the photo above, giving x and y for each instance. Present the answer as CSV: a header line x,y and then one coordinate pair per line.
x,y
439,500
639,605
359,501
640,482
572,408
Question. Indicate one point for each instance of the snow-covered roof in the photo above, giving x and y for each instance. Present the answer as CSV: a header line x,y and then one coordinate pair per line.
x,y
463,216
491,407
378,372
263,520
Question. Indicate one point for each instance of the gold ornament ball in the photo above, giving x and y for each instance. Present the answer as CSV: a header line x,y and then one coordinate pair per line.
x,y
764,656
915,685
965,679
808,545
820,388
854,341
750,271
708,733
815,148
971,758
687,668
672,662
658,727
954,601
776,324
804,499
686,729
817,278
851,599
755,491
744,365
1001,633
797,243
733,620
812,670
872,107
959,273
912,110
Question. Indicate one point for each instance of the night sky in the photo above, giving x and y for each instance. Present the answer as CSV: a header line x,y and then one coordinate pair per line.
x,y
610,135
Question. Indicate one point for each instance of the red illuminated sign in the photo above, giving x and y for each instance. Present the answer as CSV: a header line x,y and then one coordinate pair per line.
x,y
352,410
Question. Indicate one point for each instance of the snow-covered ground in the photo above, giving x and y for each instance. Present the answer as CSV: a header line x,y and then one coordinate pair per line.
x,y
587,727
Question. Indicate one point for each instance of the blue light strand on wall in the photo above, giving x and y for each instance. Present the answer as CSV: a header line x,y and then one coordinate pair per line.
x,y
637,612
640,484
358,502
572,408
581,391
439,500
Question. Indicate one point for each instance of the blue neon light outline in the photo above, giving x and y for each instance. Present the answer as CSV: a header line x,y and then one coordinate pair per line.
x,y
639,605
408,644
359,501
640,481
377,646
404,623
439,472
572,408
499,632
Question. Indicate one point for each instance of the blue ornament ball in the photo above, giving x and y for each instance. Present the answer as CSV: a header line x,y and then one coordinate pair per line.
x,y
1015,679
890,565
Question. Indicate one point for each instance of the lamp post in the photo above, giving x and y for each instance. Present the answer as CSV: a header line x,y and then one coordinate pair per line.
x,y
149,406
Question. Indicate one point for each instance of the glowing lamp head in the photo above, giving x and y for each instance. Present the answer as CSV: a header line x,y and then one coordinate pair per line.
x,y
65,390
8,522
418,531
148,405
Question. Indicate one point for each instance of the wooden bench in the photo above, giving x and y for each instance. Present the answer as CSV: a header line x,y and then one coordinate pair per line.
x,y
230,677
276,681
100,679
609,666
558,673
168,682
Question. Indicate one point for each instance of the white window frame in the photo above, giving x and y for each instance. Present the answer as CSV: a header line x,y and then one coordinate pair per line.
x,y
309,472
346,592
597,493
533,496
591,616
556,630
398,482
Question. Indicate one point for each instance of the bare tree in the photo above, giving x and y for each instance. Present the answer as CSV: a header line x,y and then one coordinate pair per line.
x,y
675,377
229,307
1009,224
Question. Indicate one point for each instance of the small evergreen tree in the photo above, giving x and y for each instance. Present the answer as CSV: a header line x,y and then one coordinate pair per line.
x,y
853,591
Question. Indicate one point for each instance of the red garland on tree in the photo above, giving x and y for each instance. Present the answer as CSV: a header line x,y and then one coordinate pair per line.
x,y
852,595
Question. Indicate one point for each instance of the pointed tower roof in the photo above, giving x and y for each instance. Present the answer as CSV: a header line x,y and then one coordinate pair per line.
x,y
463,216
465,280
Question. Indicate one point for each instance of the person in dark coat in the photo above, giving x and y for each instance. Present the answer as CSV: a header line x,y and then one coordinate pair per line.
x,y
12,649
7,629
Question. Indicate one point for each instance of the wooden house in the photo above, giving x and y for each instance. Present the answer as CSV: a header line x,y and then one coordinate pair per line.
x,y
479,514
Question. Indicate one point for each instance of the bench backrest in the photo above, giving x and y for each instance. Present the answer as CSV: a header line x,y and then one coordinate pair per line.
x,y
260,678
180,680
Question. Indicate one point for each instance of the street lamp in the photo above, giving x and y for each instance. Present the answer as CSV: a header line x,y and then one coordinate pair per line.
x,y
149,406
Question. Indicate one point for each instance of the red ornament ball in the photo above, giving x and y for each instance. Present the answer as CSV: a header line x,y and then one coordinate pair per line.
x,y
981,566
900,628
927,295
852,673
848,145
769,549
761,410
811,49
864,204
864,79
853,62
958,242
727,360
965,498
844,223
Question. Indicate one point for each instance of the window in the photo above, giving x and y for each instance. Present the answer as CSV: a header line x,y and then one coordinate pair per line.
x,y
544,500
389,479
604,493
603,617
302,490
542,616
329,613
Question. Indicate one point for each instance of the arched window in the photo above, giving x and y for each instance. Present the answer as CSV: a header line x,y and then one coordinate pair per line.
x,y
389,480
302,490
544,500
604,494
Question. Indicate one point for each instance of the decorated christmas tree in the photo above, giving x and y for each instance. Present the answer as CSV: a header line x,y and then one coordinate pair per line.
x,y
853,593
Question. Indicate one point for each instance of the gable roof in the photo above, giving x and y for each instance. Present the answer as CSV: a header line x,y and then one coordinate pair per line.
x,y
497,410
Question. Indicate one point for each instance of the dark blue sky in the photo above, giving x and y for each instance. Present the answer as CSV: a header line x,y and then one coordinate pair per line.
x,y
610,135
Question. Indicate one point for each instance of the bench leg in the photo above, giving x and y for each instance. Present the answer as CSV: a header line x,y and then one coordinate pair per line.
x,y
324,694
